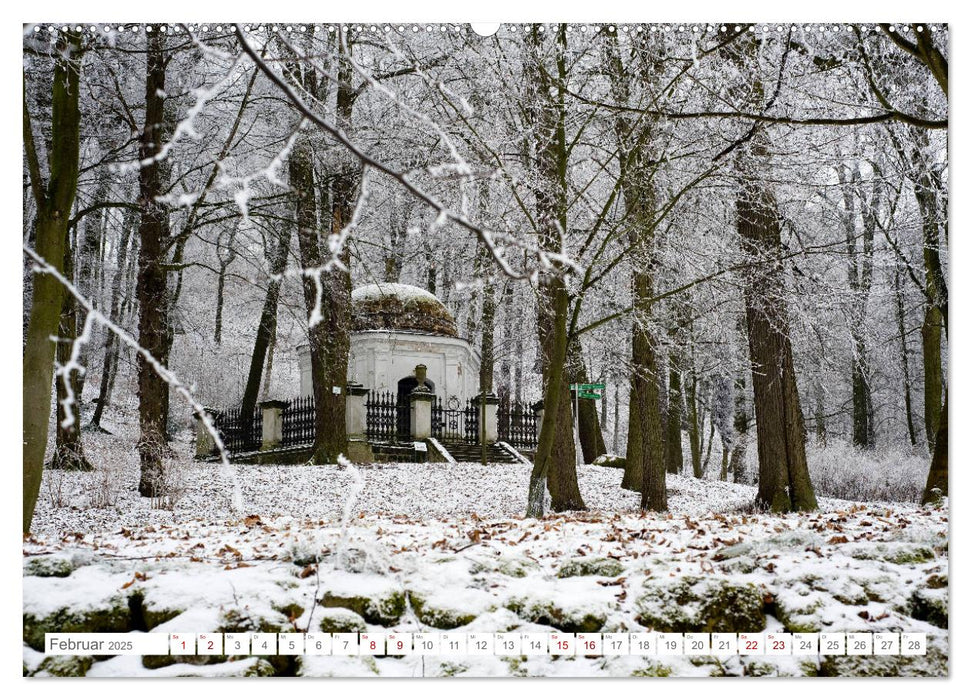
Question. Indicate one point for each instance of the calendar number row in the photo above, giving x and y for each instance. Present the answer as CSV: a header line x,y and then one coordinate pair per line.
x,y
552,644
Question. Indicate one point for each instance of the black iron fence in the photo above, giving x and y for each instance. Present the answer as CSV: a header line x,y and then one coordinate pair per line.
x,y
299,417
517,424
239,435
453,422
387,418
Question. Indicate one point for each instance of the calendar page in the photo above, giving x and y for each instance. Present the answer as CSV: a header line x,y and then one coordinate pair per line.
x,y
396,349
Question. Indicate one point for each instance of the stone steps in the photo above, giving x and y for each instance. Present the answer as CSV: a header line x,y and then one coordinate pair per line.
x,y
464,452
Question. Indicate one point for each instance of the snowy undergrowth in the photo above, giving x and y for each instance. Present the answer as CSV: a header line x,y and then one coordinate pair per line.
x,y
444,547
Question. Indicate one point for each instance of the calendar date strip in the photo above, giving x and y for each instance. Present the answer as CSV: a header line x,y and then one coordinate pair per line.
x,y
489,644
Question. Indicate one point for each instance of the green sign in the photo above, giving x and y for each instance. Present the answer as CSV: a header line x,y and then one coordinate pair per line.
x,y
588,387
589,395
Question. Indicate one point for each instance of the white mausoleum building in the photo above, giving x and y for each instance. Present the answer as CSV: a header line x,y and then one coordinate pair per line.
x,y
395,327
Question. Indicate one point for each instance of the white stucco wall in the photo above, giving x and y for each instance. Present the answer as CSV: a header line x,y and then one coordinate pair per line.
x,y
378,359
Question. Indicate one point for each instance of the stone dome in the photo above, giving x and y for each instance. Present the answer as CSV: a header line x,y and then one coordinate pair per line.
x,y
399,307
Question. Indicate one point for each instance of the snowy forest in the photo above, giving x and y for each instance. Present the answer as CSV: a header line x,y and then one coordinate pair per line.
x,y
739,230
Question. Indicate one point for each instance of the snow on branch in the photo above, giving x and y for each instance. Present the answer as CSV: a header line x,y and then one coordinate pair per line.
x,y
488,238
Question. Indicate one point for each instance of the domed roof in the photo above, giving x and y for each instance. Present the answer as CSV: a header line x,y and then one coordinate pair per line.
x,y
402,307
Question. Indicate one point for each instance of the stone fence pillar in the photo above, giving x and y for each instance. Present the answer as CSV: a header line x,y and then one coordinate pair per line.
x,y
421,406
488,429
421,412
355,412
272,423
205,445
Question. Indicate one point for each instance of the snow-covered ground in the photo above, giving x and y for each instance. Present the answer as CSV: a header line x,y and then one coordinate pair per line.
x,y
444,546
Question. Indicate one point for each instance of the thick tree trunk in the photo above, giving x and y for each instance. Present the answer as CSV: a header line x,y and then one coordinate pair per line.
x,y
54,203
152,286
646,391
784,483
633,478
937,477
930,334
302,183
558,401
555,461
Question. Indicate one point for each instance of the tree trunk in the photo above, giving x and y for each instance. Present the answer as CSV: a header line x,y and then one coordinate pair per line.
x,y
110,351
591,438
54,203
673,450
930,334
633,478
646,392
151,288
937,477
555,461
68,446
784,483
487,353
694,425
904,354
740,422
266,330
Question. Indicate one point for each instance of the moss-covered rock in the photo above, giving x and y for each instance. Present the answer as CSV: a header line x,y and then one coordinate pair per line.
x,y
799,613
935,581
291,611
261,668
930,606
340,621
235,620
651,671
591,566
449,669
383,609
690,604
65,666
545,612
51,566
514,567
111,615
932,665
895,553
439,616
147,613
154,661
613,461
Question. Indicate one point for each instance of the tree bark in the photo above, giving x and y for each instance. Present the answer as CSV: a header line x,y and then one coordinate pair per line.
x,y
784,483
152,284
937,477
555,462
54,199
